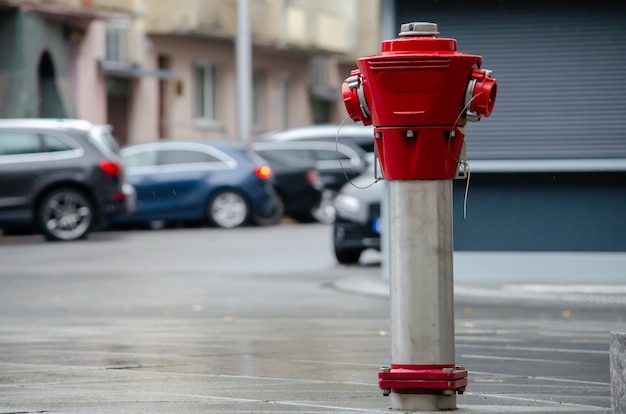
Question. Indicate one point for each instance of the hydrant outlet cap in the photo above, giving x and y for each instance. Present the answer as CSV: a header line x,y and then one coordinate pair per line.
x,y
418,29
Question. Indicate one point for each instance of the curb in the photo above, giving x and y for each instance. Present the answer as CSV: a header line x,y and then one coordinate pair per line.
x,y
529,294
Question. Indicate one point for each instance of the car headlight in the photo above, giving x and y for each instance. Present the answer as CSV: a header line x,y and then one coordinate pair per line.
x,y
347,205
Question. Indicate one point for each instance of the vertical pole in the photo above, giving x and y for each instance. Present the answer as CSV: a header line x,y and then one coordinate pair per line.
x,y
422,308
388,26
244,71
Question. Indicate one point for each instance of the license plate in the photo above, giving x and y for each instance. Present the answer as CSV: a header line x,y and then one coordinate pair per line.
x,y
376,225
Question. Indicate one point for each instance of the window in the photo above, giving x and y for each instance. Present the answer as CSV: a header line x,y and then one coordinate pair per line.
x,y
54,144
322,95
287,156
321,111
204,78
258,79
104,140
330,155
319,71
19,143
141,159
116,41
185,157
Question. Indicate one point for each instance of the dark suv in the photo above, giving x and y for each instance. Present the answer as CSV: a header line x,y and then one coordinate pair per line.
x,y
61,178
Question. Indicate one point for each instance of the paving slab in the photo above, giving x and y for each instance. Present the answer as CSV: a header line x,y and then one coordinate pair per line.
x,y
314,366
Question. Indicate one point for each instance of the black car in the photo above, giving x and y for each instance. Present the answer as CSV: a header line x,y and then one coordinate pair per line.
x,y
300,191
357,216
336,163
62,178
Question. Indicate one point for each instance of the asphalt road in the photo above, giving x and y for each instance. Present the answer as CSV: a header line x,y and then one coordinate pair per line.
x,y
250,320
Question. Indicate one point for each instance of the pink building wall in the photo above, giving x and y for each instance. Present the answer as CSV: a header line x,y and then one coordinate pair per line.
x,y
90,85
90,91
183,52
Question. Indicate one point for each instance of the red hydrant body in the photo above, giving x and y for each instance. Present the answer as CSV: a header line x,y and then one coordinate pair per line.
x,y
418,93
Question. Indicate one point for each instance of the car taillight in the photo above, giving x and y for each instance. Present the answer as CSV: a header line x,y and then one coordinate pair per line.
x,y
263,172
110,168
119,196
313,178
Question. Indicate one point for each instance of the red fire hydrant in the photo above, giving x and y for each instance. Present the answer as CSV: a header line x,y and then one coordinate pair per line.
x,y
418,93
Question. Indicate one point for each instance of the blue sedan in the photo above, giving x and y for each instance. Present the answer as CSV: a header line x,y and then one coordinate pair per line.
x,y
198,181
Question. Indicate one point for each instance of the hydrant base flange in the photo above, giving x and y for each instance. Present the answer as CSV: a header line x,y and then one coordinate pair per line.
x,y
423,379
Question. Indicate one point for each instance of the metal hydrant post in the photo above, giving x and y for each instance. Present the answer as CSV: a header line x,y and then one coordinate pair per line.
x,y
419,92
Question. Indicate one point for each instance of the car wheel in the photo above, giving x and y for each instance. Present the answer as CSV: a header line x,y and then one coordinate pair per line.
x,y
65,214
347,256
157,224
227,209
275,217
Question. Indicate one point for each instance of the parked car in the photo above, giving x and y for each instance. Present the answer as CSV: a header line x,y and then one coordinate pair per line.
x,y
357,216
299,189
60,177
336,163
216,181
358,134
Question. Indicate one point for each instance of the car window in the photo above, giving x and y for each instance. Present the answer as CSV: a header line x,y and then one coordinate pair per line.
x,y
169,157
54,144
330,155
287,156
18,143
104,140
141,159
256,158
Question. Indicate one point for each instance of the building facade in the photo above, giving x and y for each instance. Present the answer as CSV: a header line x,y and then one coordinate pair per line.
x,y
156,69
549,166
43,52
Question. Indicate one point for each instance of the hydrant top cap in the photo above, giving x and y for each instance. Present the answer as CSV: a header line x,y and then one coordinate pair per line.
x,y
418,29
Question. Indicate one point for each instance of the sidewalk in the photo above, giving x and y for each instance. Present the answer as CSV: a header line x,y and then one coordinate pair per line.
x,y
568,278
518,294
255,366
282,365
139,362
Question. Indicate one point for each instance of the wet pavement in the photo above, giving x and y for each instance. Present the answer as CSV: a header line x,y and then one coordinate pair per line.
x,y
300,365
109,334
281,366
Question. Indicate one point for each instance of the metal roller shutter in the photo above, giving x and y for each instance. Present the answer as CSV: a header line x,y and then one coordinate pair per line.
x,y
561,70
